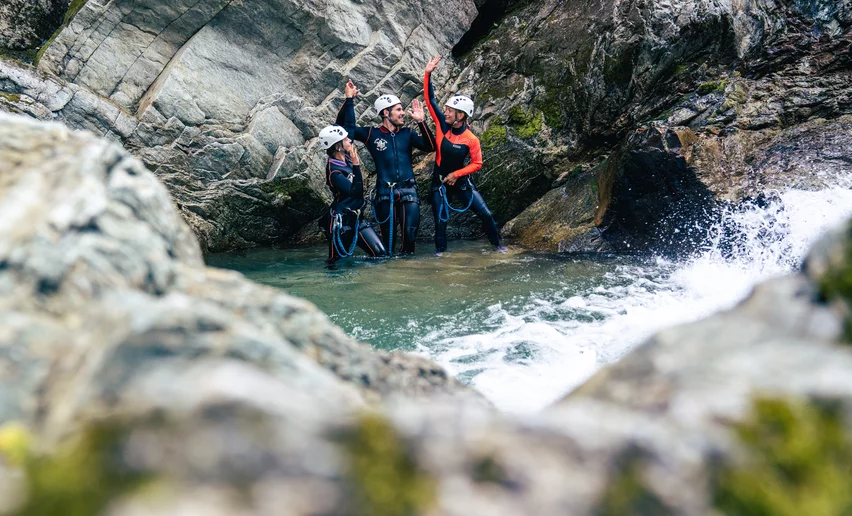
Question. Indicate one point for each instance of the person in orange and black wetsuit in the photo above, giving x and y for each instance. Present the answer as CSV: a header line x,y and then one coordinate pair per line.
x,y
344,222
458,155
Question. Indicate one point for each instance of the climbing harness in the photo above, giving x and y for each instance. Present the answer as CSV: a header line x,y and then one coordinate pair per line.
x,y
337,228
392,187
444,208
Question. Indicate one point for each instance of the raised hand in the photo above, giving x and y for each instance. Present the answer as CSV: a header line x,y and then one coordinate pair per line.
x,y
350,90
433,63
416,111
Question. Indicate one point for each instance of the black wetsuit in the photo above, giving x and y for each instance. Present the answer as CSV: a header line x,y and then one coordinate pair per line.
x,y
391,152
458,152
347,186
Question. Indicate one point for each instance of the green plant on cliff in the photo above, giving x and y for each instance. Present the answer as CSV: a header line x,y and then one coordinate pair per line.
x,y
494,136
83,477
711,87
799,462
525,124
384,478
73,8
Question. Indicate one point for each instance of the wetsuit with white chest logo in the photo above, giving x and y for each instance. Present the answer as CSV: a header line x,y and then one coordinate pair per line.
x,y
391,152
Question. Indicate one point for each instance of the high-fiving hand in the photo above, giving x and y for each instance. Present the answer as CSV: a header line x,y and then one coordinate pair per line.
x,y
433,63
350,90
416,111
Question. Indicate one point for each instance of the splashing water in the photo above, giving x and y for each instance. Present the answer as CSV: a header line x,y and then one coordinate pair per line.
x,y
526,328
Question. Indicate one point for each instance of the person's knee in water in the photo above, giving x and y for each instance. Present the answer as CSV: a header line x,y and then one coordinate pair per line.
x,y
391,146
458,155
344,223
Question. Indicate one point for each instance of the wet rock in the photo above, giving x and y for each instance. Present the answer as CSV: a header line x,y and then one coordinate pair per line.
x,y
574,88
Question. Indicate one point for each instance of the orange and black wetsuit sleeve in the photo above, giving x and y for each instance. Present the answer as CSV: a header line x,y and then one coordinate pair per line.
x,y
472,142
437,115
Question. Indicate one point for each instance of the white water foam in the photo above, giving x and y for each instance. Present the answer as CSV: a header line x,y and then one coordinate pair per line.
x,y
601,325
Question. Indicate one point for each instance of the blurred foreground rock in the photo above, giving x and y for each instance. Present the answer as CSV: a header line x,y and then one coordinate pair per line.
x,y
133,380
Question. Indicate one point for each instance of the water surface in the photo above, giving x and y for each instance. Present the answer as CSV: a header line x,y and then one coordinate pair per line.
x,y
524,328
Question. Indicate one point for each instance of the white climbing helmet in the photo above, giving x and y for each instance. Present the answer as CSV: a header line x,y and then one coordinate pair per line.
x,y
384,102
462,103
331,134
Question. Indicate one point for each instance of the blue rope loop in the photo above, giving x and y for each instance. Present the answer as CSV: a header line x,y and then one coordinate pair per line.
x,y
392,187
337,229
444,208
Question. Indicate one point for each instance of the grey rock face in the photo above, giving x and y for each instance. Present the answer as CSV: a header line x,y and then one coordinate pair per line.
x,y
704,96
222,99
25,24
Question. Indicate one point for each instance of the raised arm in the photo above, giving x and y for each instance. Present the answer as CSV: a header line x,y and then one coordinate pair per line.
x,y
425,141
346,115
431,102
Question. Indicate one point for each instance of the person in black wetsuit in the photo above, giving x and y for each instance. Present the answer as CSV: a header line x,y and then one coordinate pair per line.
x,y
391,145
457,156
344,221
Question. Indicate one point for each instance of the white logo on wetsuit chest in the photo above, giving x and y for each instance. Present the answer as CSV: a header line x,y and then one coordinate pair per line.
x,y
381,144
351,176
457,146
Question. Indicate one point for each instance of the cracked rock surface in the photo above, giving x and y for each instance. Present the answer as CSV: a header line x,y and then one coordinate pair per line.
x,y
223,99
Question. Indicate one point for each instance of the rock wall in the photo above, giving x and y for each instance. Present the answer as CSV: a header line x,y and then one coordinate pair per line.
x,y
222,99
664,110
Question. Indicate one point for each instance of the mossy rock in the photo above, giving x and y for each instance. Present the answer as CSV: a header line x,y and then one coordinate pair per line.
x,y
525,124
10,97
73,8
15,444
494,136
384,478
628,492
799,462
711,87
83,477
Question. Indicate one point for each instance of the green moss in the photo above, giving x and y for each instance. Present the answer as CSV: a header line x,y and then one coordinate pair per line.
x,y
11,97
711,87
836,283
73,8
628,492
15,443
525,124
489,470
494,136
384,477
800,462
82,478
